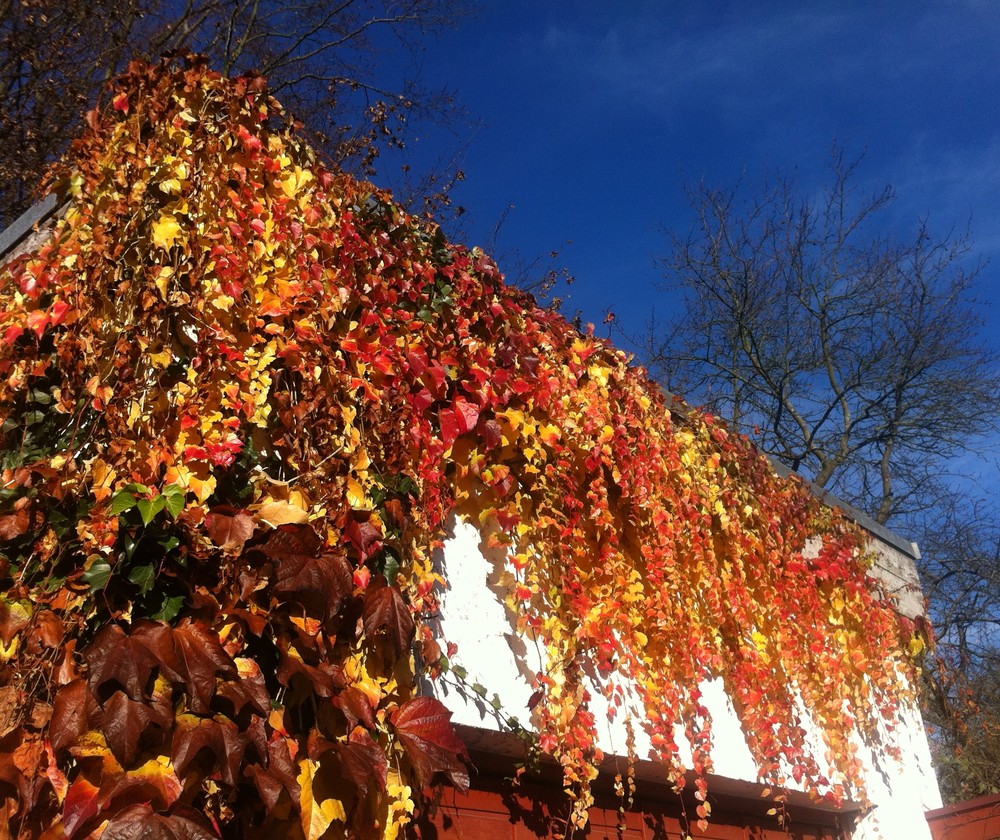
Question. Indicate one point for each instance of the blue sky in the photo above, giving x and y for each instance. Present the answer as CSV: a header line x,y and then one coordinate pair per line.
x,y
594,115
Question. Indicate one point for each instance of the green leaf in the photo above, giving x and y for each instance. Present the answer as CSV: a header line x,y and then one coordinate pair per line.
x,y
41,397
149,508
122,502
96,577
143,576
174,500
169,608
389,565
168,543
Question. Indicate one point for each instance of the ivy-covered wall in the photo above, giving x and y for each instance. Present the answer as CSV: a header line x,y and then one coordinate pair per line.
x,y
242,396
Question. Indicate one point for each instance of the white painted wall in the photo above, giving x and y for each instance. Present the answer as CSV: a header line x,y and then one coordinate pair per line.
x,y
473,615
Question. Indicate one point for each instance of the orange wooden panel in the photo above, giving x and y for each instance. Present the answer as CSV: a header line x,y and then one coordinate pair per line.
x,y
976,819
493,811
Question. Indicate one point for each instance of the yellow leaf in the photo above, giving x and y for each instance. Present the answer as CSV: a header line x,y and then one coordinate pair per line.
x,y
282,513
162,359
171,186
7,651
356,496
295,180
163,280
165,231
316,815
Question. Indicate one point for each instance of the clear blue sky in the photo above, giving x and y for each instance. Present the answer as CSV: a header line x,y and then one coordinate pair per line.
x,y
595,114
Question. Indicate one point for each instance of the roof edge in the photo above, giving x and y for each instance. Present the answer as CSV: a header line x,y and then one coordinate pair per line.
x,y
876,529
27,222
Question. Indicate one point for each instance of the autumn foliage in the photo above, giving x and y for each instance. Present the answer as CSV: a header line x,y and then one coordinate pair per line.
x,y
242,395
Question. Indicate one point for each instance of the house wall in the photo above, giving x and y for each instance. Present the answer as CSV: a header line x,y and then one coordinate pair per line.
x,y
473,614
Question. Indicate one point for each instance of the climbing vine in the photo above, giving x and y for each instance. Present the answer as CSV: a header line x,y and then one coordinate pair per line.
x,y
241,396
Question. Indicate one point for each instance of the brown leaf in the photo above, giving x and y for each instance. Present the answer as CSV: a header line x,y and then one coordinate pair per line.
x,y
325,679
66,671
319,582
73,710
41,713
423,726
249,688
48,628
229,528
279,775
113,658
218,737
140,821
124,723
201,657
387,613
14,525
362,761
356,707
157,639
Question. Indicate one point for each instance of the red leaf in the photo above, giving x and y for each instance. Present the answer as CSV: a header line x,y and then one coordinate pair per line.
x,y
466,414
449,426
386,612
218,737
362,761
81,803
229,528
435,379
491,433
423,726
363,534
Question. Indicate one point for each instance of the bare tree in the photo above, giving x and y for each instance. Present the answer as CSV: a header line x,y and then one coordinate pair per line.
x,y
851,356
961,576
855,358
324,60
